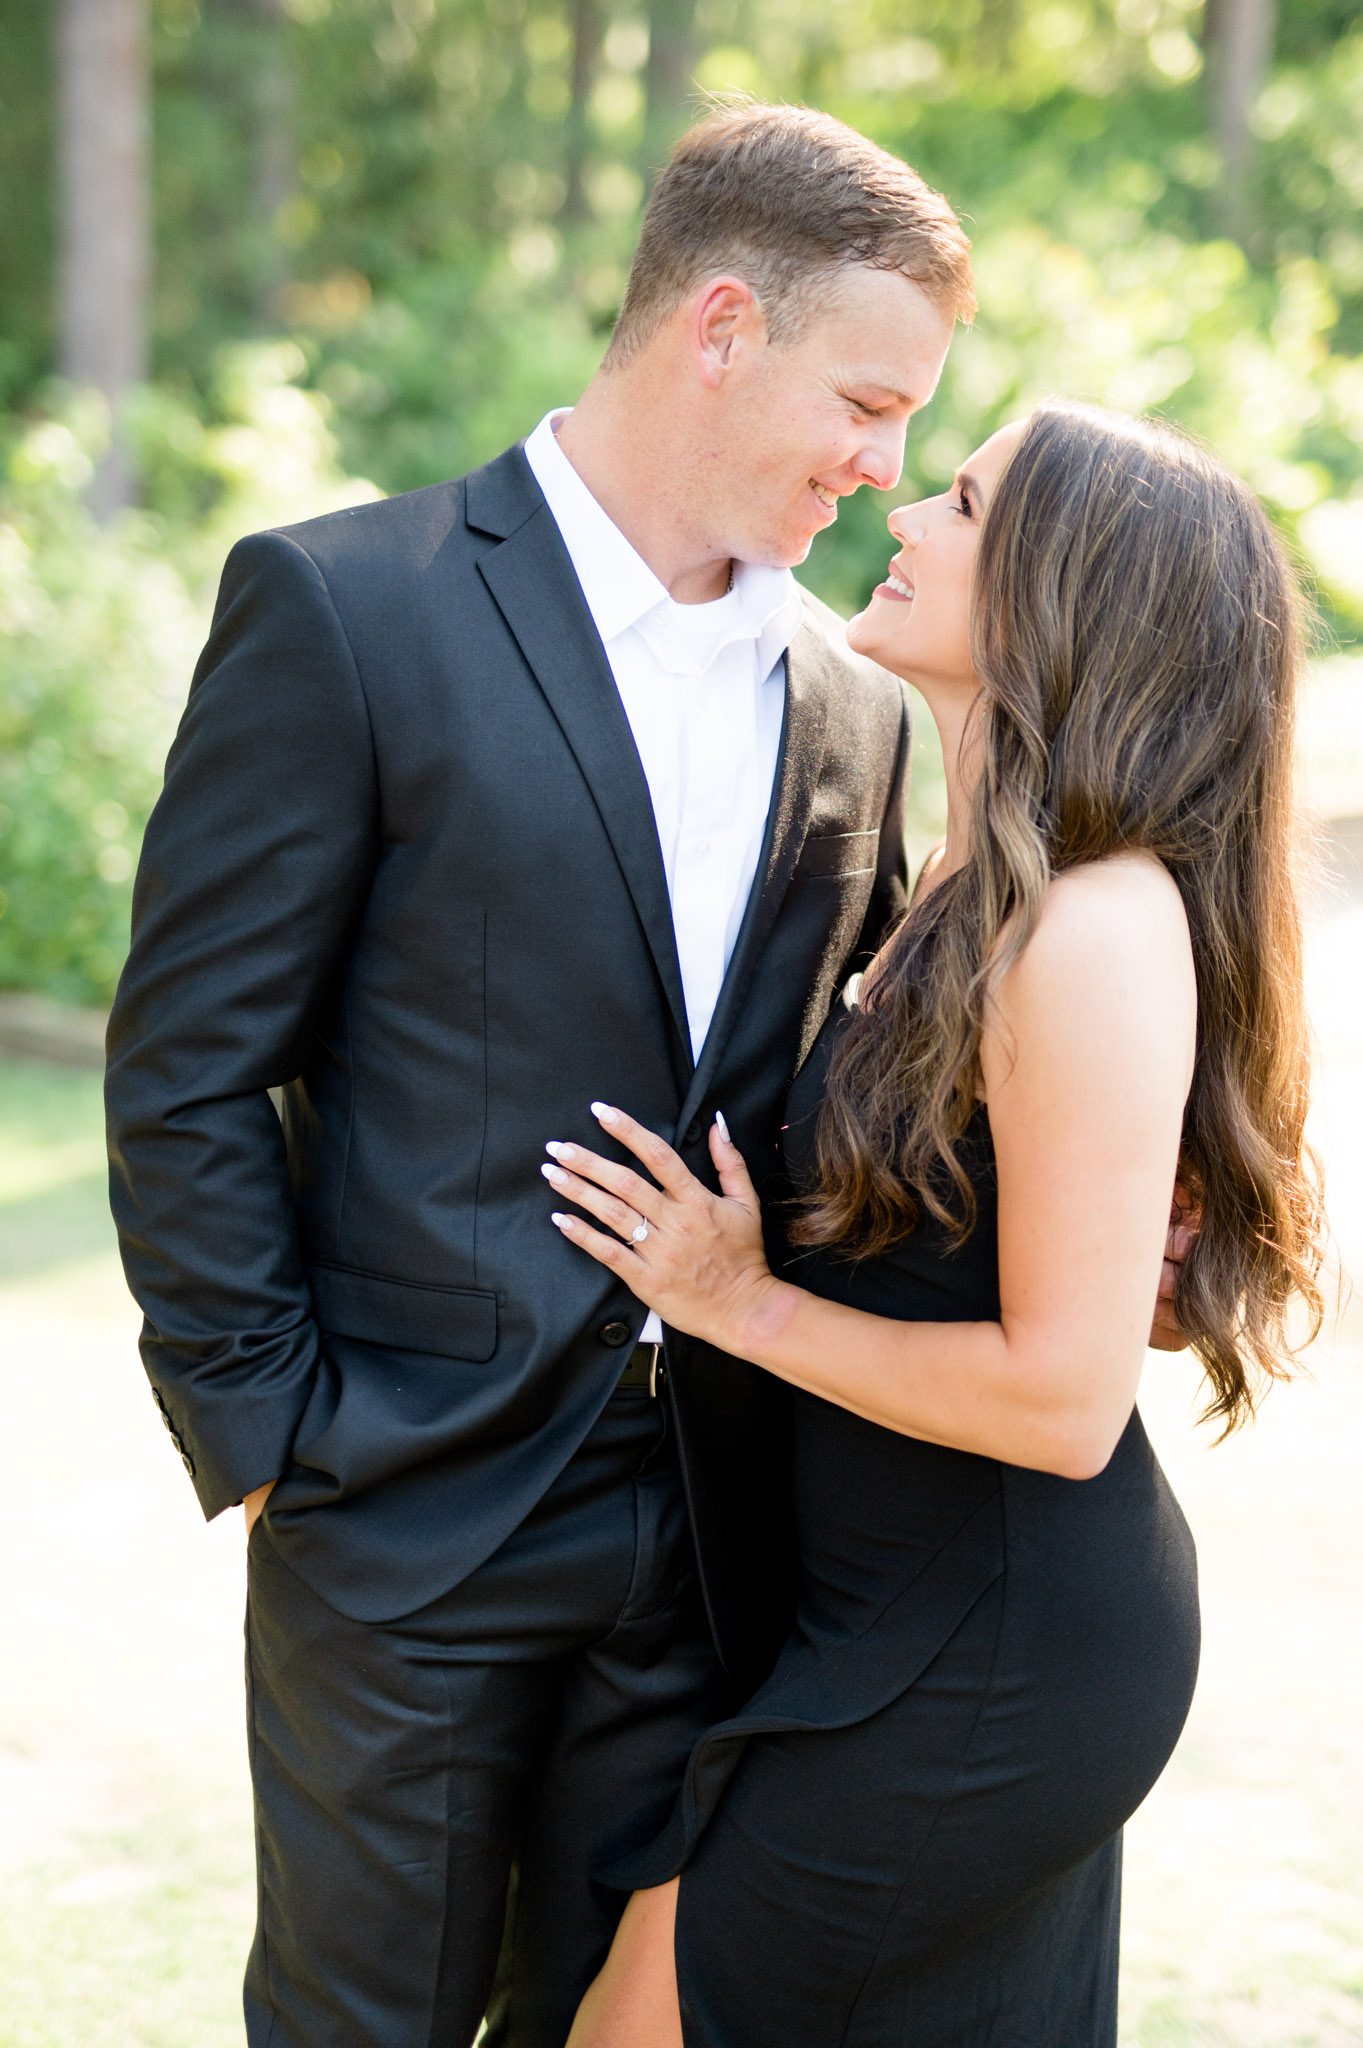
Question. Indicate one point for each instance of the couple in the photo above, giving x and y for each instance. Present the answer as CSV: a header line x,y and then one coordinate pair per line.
x,y
731,1600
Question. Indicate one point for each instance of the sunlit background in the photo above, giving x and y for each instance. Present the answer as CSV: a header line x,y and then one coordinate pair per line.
x,y
260,258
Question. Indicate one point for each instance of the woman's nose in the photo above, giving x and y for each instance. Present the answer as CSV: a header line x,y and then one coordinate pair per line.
x,y
907,524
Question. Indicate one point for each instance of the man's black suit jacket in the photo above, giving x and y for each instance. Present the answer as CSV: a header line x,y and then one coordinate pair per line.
x,y
405,868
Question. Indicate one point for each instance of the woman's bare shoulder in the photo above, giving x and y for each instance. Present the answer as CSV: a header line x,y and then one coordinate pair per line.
x,y
1110,958
1110,906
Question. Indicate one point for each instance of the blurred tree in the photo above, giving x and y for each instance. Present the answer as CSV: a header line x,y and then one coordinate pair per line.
x,y
26,238
104,265
276,154
668,79
1237,36
587,29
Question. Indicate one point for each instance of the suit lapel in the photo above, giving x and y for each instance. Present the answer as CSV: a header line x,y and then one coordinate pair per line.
x,y
797,778
531,579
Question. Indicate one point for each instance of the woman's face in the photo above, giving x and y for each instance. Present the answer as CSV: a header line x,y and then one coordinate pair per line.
x,y
918,620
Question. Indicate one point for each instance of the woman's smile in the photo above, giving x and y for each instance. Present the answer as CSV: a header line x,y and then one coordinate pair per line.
x,y
896,585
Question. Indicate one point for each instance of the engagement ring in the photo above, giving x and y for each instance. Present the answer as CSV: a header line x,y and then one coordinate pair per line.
x,y
639,1232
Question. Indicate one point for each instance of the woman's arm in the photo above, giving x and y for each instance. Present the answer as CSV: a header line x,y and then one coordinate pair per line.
x,y
1087,1063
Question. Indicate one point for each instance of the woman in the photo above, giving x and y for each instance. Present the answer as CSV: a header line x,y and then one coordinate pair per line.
x,y
912,1834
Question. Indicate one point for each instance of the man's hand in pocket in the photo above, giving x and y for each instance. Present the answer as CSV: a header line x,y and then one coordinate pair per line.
x,y
254,1502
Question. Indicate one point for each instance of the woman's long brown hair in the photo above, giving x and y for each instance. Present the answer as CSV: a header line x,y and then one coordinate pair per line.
x,y
1135,628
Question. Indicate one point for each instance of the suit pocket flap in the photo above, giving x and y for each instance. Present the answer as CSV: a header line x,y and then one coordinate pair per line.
x,y
452,1322
829,854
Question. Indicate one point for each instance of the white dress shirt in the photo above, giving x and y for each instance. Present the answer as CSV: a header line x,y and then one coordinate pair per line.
x,y
703,687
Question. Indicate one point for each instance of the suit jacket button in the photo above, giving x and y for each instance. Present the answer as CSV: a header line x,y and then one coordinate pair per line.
x,y
692,1134
187,1462
615,1334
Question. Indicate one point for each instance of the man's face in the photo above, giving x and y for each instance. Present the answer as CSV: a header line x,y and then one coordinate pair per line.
x,y
805,424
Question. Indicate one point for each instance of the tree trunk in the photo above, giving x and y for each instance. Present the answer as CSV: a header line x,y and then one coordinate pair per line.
x,y
276,157
667,80
588,30
104,259
1238,38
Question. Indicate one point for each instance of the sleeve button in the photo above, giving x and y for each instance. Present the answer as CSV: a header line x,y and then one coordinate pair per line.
x,y
187,1462
615,1334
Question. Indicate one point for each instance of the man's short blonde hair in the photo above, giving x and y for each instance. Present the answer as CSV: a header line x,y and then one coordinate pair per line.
x,y
786,198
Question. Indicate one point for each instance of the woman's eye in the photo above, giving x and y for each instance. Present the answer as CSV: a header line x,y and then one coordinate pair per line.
x,y
964,507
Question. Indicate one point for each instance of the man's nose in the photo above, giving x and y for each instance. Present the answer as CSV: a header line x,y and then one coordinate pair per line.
x,y
881,461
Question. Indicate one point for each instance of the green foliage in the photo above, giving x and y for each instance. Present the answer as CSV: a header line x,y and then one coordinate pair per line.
x,y
427,207
98,634
95,632
430,383
26,270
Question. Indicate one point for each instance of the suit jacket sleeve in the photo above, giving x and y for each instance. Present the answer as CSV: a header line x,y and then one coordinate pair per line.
x,y
256,863
890,894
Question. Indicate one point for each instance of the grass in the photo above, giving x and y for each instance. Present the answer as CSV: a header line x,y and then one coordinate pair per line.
x,y
54,1201
126,1886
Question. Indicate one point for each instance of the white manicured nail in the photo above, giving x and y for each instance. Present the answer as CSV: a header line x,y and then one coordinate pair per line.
x,y
604,1114
562,1221
555,1174
557,1150
722,1127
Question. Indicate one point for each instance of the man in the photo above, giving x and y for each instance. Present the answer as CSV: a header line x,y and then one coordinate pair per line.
x,y
544,785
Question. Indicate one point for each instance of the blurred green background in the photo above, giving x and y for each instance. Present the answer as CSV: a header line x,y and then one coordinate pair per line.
x,y
388,234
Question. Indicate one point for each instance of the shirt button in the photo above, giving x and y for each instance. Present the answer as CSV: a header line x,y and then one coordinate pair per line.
x,y
615,1334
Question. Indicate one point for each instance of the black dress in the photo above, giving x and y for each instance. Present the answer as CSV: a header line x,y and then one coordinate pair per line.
x,y
912,1834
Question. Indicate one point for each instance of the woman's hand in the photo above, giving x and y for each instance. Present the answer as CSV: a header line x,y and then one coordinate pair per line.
x,y
1185,1222
697,1258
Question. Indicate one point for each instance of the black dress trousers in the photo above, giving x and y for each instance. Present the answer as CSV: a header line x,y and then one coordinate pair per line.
x,y
435,1791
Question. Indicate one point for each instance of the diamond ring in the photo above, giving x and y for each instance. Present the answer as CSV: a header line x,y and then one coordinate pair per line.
x,y
640,1231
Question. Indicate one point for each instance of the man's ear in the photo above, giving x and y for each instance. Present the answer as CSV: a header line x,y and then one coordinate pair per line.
x,y
726,321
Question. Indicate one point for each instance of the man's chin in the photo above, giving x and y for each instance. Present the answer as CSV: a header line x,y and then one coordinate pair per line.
x,y
792,554
767,553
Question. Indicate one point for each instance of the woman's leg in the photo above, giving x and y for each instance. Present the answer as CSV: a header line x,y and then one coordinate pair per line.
x,y
632,2003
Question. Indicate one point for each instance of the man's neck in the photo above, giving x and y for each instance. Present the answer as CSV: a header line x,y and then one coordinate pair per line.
x,y
630,454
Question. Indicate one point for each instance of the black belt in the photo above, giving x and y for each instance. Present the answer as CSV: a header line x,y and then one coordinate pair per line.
x,y
645,1372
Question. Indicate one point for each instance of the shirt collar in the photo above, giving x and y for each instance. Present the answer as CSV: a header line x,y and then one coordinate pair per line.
x,y
622,591
616,581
